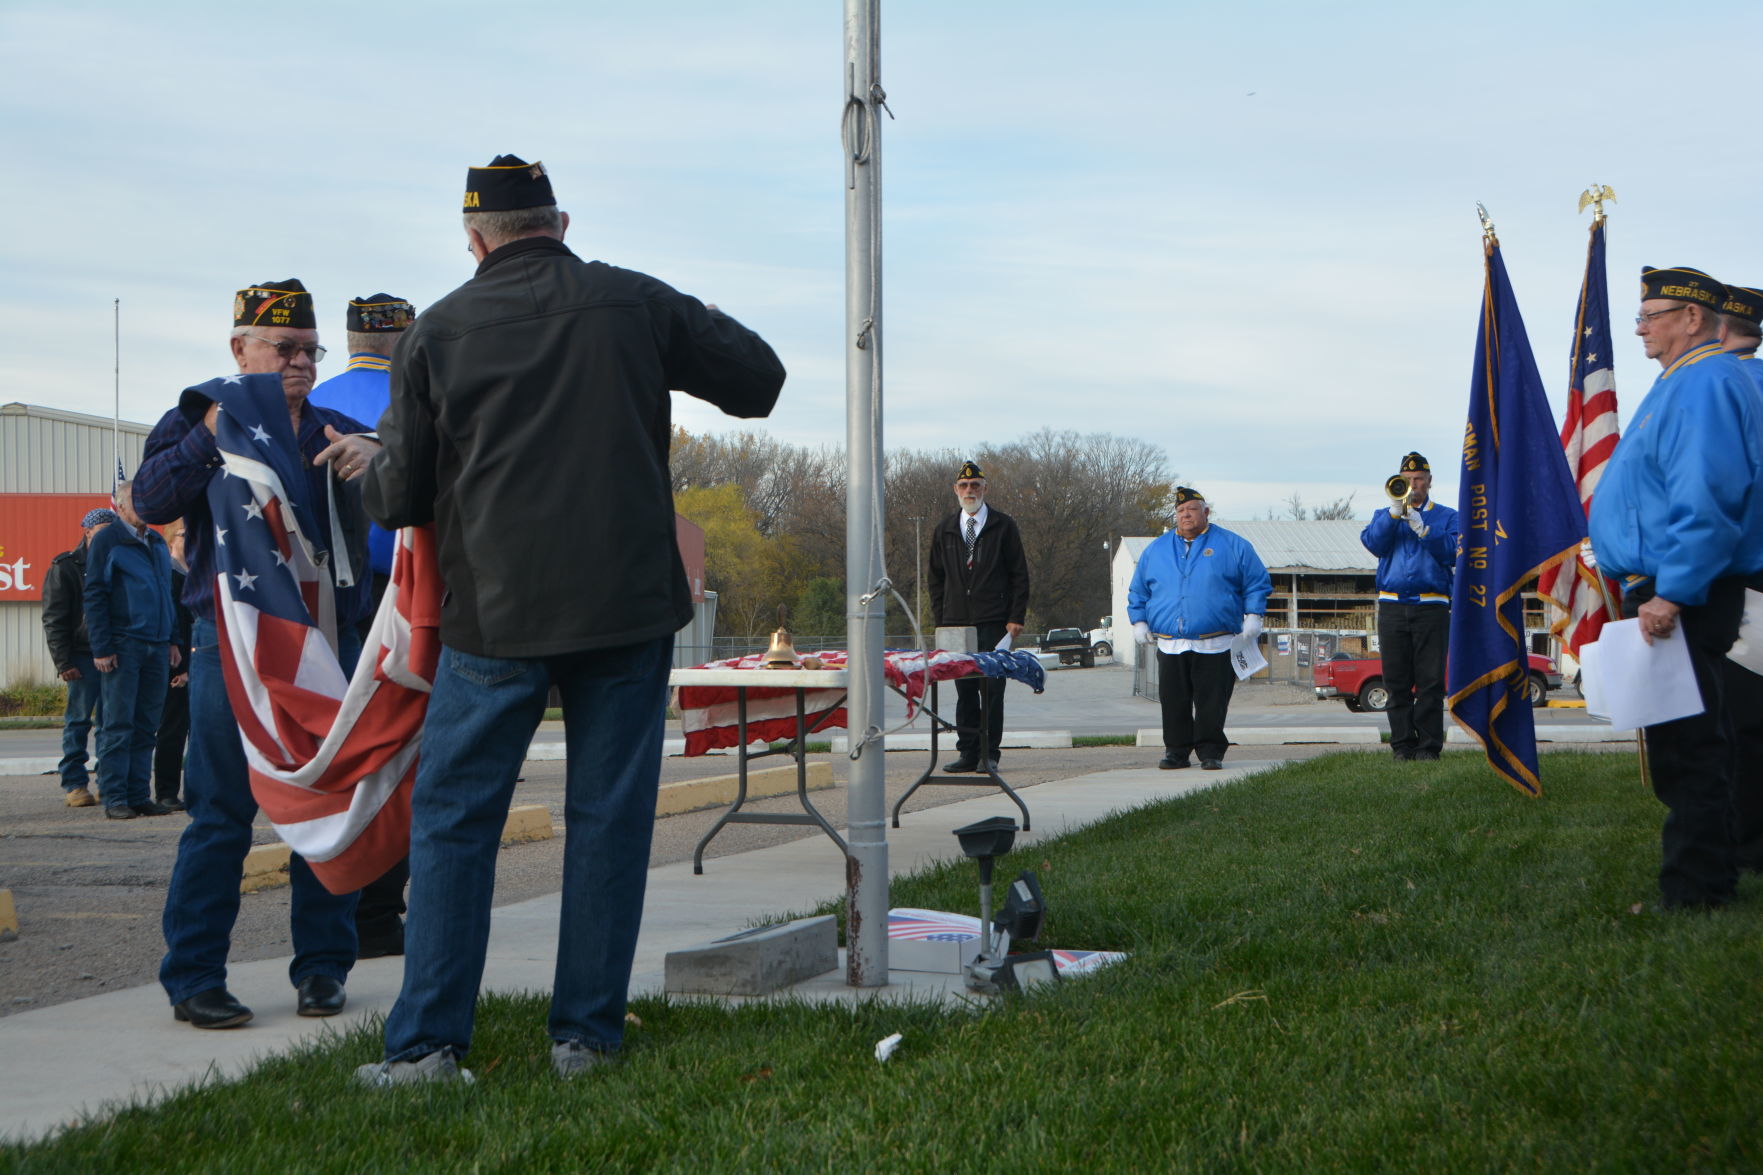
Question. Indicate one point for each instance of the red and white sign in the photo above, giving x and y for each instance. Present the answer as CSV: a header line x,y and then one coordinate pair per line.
x,y
34,528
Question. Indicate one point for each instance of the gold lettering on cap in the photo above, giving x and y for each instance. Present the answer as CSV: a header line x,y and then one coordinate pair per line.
x,y
471,200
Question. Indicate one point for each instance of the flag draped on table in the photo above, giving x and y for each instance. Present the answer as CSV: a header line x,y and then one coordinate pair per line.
x,y
331,759
710,714
1519,515
1585,600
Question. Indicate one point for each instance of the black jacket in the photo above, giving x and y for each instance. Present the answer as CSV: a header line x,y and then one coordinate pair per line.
x,y
64,608
995,590
530,420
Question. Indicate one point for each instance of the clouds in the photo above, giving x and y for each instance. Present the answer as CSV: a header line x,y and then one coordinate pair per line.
x,y
1090,220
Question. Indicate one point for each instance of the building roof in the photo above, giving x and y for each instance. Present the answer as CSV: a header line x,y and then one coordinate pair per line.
x,y
1328,545
66,417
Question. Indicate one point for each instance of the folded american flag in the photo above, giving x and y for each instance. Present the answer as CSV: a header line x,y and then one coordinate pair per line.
x,y
331,759
710,714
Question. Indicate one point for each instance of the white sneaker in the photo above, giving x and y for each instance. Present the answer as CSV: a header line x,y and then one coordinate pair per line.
x,y
571,1058
438,1066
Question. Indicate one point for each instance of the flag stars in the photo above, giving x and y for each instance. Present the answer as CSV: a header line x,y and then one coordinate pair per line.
x,y
260,434
247,581
253,510
220,536
232,379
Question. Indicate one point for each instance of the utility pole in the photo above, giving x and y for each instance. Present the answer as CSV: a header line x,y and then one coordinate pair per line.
x,y
918,577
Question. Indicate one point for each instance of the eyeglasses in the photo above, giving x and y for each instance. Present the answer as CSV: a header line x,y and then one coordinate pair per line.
x,y
286,349
970,485
1639,319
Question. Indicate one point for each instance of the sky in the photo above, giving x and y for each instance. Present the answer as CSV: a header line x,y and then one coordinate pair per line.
x,y
1243,232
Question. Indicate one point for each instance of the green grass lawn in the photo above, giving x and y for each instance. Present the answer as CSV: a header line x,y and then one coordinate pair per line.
x,y
1345,964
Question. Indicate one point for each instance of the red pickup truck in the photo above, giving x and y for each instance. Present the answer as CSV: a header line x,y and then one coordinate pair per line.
x,y
1359,682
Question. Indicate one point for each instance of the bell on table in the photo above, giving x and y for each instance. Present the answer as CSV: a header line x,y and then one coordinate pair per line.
x,y
782,654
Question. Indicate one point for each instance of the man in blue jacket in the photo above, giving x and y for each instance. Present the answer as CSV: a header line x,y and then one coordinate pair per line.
x,y
1195,589
1415,542
1741,329
130,623
1678,521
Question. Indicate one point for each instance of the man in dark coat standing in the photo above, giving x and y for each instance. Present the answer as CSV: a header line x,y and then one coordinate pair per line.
x,y
978,578
64,626
529,422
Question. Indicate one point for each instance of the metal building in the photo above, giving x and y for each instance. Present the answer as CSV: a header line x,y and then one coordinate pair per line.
x,y
54,466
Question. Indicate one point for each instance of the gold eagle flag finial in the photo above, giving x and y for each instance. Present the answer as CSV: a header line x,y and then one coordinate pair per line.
x,y
1594,197
1488,237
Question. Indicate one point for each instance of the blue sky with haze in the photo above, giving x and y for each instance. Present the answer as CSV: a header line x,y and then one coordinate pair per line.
x,y
1245,232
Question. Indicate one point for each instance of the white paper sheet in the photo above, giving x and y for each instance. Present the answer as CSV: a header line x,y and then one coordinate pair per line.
x,y
1748,649
1640,684
1245,656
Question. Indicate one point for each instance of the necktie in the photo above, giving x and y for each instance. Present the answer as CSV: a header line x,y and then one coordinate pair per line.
x,y
972,535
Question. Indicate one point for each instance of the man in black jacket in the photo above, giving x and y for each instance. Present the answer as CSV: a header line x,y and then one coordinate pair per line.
x,y
978,577
64,628
529,422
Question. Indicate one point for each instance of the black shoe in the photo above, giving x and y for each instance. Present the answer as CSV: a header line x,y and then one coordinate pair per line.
x,y
173,803
1426,756
1403,756
214,1008
960,766
1171,763
119,812
1212,764
320,995
992,766
378,946
151,808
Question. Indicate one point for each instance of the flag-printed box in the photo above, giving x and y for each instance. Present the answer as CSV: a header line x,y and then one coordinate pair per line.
x,y
930,940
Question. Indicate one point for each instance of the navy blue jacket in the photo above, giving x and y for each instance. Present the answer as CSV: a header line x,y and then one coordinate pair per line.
x,y
128,588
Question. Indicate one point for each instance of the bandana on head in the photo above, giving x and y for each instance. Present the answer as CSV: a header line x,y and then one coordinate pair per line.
x,y
92,518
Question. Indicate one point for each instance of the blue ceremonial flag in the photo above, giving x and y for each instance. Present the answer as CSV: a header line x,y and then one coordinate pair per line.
x,y
1519,515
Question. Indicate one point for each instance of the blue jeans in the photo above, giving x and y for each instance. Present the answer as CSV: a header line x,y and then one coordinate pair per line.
x,y
85,702
481,718
202,902
134,694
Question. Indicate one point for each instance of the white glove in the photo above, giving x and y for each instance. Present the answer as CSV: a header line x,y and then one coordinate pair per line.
x,y
1586,554
1417,526
1251,625
1141,632
1398,512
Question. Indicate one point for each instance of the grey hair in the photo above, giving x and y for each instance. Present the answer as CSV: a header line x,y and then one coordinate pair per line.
x,y
1742,328
373,342
498,228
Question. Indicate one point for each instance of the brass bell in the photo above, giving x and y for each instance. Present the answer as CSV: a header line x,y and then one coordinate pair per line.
x,y
782,654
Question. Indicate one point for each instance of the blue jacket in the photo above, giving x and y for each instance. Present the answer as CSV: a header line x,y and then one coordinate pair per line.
x,y
1198,589
1679,501
1411,569
128,588
363,390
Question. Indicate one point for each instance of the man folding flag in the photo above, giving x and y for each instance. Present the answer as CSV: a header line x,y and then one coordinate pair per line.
x,y
1584,600
331,759
1519,516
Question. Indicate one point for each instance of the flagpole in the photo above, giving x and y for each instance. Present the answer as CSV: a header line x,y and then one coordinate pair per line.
x,y
116,402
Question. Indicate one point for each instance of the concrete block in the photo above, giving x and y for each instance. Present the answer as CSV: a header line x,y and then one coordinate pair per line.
x,y
957,640
758,961
266,866
527,822
8,917
719,790
920,741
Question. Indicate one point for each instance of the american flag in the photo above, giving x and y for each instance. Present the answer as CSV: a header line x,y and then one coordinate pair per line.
x,y
331,759
1584,600
906,924
710,714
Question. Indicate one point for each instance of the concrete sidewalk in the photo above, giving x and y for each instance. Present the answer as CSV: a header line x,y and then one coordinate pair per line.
x,y
88,1055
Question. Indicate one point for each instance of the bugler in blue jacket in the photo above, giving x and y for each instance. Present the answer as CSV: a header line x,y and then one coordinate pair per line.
x,y
1411,569
1199,589
1679,500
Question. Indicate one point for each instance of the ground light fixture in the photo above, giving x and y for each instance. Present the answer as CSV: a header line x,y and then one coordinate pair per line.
x,y
996,970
